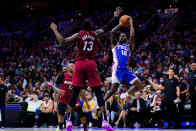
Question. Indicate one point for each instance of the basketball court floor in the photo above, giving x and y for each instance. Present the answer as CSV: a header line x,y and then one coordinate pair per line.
x,y
91,129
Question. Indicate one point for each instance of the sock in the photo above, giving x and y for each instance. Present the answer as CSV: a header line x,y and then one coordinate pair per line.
x,y
69,116
60,125
104,115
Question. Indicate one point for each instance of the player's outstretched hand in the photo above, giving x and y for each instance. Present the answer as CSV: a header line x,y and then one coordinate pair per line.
x,y
61,92
53,26
118,11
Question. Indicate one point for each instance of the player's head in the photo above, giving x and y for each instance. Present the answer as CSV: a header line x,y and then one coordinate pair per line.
x,y
70,68
87,25
123,38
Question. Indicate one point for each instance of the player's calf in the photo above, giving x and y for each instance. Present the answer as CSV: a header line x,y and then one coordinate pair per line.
x,y
113,90
138,86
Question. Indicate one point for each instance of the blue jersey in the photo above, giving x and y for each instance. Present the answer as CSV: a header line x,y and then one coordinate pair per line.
x,y
121,54
120,70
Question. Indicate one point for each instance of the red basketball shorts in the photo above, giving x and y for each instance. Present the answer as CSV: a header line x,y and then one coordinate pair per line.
x,y
85,70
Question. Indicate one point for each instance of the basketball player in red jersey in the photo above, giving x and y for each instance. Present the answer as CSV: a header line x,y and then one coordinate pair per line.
x,y
65,82
85,66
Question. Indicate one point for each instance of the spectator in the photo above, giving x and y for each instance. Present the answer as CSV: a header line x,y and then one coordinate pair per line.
x,y
46,112
44,85
89,108
123,113
138,109
112,108
64,63
157,113
26,117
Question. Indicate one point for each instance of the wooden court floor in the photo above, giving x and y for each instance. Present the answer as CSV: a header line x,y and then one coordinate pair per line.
x,y
94,129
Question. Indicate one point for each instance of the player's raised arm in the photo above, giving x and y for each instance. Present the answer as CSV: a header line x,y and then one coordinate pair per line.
x,y
60,38
100,32
132,35
113,34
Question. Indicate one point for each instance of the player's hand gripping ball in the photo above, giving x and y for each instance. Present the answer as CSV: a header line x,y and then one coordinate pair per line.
x,y
124,20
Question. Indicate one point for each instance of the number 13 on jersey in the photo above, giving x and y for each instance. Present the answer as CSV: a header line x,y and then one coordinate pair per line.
x,y
88,45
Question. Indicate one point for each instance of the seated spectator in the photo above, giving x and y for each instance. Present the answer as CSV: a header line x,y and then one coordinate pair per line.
x,y
27,117
157,113
112,108
150,98
137,110
46,112
89,108
157,101
123,113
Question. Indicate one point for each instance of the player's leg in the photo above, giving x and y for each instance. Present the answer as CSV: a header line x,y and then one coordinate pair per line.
x,y
100,100
83,117
72,103
74,97
95,84
113,89
116,78
133,79
60,115
78,81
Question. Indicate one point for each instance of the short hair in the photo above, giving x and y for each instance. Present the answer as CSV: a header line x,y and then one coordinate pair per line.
x,y
87,25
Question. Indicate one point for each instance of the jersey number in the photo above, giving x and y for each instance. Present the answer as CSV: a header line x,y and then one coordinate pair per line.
x,y
90,47
124,53
70,87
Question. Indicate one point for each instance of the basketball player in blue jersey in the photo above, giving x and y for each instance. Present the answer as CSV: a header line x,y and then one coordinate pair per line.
x,y
121,53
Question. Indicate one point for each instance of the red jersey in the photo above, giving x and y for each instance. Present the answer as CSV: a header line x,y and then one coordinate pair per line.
x,y
66,85
87,45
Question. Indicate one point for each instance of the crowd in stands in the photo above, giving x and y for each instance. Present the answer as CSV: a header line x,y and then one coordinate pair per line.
x,y
30,68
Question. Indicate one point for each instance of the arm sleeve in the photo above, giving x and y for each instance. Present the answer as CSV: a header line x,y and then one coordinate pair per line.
x,y
60,79
110,23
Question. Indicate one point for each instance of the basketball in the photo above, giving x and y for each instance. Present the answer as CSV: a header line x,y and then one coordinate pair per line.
x,y
124,20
